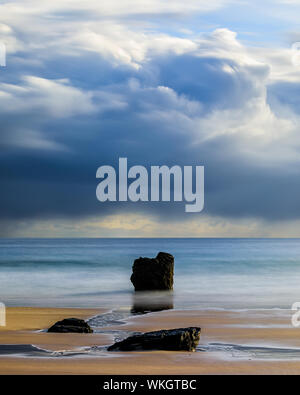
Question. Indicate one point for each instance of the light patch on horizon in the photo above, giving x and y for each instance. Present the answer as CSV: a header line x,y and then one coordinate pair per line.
x,y
139,226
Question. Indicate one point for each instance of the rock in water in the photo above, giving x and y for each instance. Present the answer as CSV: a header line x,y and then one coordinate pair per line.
x,y
182,339
149,274
71,325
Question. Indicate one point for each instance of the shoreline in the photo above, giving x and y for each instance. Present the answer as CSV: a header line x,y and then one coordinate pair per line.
x,y
259,330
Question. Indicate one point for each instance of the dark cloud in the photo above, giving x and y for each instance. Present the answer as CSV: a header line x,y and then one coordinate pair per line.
x,y
170,111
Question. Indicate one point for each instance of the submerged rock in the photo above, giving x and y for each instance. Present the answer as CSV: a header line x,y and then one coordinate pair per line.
x,y
149,274
181,339
71,325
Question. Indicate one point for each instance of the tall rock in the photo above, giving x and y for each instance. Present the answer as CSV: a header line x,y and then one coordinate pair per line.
x,y
153,274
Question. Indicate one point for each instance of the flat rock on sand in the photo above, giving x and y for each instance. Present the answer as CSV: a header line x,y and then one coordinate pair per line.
x,y
71,325
181,339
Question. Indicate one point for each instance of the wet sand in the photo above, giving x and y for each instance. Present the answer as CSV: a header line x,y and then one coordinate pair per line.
x,y
23,326
258,328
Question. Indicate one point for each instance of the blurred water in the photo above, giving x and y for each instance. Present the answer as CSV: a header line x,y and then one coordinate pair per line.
x,y
209,273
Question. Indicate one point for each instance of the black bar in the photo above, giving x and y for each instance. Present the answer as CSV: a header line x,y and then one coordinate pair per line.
x,y
128,384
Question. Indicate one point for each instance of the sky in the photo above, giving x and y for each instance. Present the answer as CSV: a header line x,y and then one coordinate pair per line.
x,y
162,83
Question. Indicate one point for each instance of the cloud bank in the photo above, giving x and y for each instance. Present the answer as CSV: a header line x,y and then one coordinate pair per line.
x,y
87,83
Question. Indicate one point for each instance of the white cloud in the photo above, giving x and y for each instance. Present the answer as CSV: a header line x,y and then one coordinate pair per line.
x,y
249,117
70,27
42,100
110,8
39,100
30,139
54,98
120,45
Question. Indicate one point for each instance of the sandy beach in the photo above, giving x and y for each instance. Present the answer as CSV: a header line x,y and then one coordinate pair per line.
x,y
266,328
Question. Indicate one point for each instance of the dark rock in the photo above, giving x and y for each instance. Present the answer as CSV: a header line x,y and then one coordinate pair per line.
x,y
71,325
182,339
150,274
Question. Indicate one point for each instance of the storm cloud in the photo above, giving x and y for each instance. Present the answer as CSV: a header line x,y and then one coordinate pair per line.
x,y
93,87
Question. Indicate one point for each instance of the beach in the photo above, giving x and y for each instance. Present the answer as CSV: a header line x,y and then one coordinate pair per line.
x,y
259,341
238,291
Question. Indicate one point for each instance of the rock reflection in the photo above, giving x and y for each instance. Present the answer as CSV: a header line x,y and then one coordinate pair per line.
x,y
150,301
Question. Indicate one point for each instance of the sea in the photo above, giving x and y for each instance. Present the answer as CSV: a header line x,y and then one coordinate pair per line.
x,y
210,273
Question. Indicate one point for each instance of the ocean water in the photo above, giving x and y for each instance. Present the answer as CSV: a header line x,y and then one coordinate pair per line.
x,y
209,273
